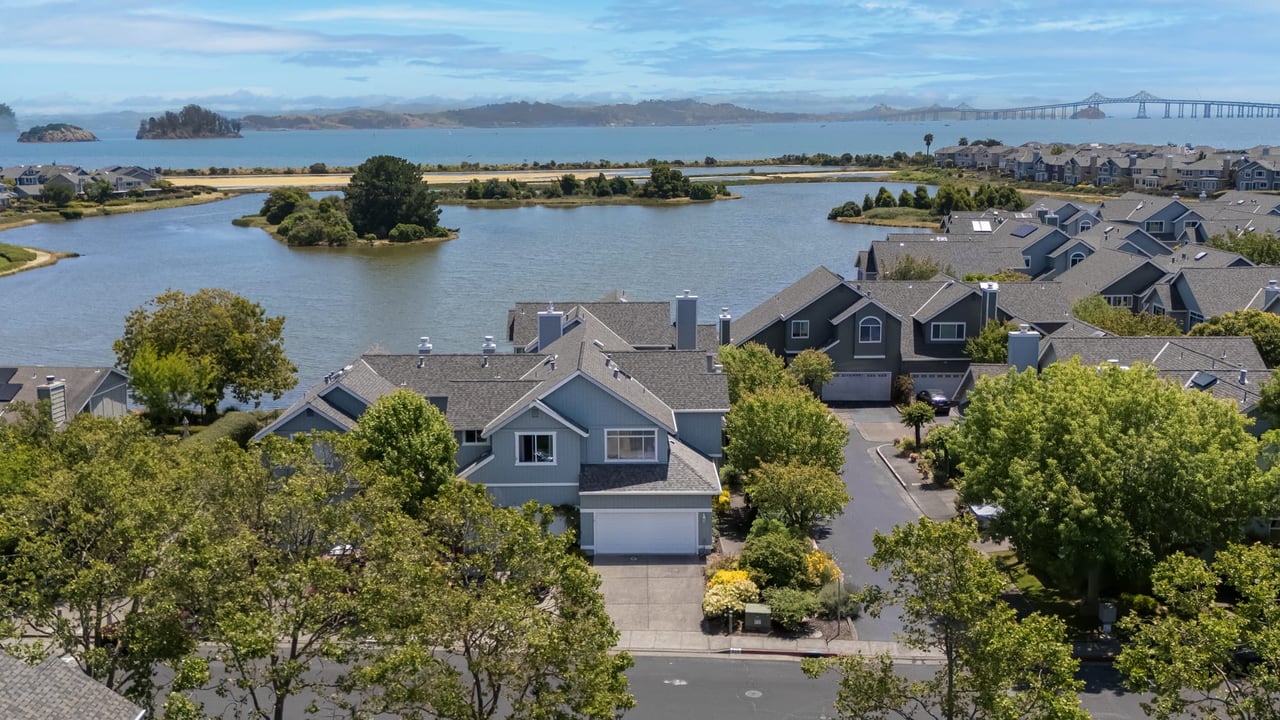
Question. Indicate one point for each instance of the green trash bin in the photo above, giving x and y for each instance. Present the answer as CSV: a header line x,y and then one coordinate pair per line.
x,y
757,618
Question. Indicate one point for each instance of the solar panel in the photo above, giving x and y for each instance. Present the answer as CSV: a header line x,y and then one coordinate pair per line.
x,y
1024,230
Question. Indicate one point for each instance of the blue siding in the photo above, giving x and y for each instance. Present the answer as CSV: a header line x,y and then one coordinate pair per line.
x,y
701,431
644,502
468,454
503,469
587,533
513,496
595,410
705,536
302,423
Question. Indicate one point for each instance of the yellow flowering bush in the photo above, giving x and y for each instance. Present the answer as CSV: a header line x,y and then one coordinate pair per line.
x,y
724,597
822,568
724,577
721,504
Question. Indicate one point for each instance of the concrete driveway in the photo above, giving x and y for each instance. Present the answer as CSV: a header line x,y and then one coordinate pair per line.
x,y
881,423
652,594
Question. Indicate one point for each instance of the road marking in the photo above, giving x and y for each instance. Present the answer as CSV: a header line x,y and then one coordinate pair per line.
x,y
676,681
753,694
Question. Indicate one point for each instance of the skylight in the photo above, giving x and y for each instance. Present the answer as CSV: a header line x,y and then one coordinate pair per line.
x,y
1024,230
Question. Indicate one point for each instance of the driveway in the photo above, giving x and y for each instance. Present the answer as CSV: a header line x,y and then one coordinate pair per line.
x,y
652,594
881,423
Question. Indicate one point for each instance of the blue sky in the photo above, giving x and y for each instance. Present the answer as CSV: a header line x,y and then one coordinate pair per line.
x,y
241,56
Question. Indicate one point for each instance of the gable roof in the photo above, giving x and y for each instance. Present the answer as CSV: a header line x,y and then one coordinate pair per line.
x,y
57,690
1102,269
793,298
1221,290
638,323
82,383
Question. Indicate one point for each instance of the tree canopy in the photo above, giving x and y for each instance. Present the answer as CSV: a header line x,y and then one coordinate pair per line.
x,y
191,121
750,368
386,191
1103,472
782,425
994,665
410,441
811,368
796,493
241,346
1258,248
910,267
1095,310
1263,327
991,345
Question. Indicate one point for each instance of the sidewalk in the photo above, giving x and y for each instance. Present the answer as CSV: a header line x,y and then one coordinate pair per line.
x,y
646,641
935,503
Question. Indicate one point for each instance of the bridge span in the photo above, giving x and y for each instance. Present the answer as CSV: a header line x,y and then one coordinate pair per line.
x,y
1148,105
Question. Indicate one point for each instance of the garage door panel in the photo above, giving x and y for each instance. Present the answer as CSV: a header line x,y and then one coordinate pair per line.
x,y
648,533
858,387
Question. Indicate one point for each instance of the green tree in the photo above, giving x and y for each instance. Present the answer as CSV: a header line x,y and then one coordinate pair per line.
x,y
702,191
1095,310
928,141
917,415
850,209
1200,658
666,182
283,202
569,184
811,368
991,345
1259,248
385,191
166,384
1263,327
410,442
906,199
910,267
994,665
795,493
868,202
59,194
952,198
775,556
884,198
1103,472
324,223
241,345
751,368
921,200
99,191
404,233
481,610
782,425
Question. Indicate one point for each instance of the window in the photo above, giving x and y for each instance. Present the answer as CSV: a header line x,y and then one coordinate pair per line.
x,y
799,329
1085,225
535,448
869,330
1119,300
1154,226
630,445
1026,260
1191,224
473,437
1076,258
947,331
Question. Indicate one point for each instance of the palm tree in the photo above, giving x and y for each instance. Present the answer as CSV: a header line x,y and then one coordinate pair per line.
x,y
928,140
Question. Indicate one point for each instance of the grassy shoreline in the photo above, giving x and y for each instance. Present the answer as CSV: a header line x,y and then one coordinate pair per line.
x,y
260,222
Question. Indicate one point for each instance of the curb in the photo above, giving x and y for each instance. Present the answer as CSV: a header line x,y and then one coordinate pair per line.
x,y
896,476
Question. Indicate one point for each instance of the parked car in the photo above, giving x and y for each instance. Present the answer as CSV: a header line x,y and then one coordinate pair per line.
x,y
938,399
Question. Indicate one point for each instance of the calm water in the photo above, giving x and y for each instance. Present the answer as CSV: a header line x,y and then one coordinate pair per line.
x,y
350,147
339,303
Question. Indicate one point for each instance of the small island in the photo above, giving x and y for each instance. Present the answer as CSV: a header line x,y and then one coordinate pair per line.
x,y
57,133
190,123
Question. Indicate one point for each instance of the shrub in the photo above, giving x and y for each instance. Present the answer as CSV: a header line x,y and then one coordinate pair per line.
x,y
839,601
822,568
71,213
725,577
906,445
702,191
1138,604
723,562
776,559
720,599
239,426
790,608
903,389
406,232
851,209
721,504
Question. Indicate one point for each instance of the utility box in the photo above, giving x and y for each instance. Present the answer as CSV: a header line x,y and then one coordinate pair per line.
x,y
757,618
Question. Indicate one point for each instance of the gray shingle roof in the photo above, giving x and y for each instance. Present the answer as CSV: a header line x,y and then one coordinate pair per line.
x,y
1038,302
638,323
1100,270
1221,290
794,297
680,377
686,472
55,690
82,383
1172,353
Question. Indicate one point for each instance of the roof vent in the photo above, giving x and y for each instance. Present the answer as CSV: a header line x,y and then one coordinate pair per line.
x,y
488,347
424,346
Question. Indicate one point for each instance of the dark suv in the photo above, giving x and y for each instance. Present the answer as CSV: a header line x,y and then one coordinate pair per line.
x,y
938,399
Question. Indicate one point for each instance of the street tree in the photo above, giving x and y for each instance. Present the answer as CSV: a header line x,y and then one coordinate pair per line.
x,y
385,191
751,368
1201,658
241,345
928,141
409,441
1102,472
796,494
811,368
480,610
1263,327
917,415
991,345
783,425
994,666
166,384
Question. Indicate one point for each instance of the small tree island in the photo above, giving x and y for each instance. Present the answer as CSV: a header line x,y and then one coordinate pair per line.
x,y
56,133
191,122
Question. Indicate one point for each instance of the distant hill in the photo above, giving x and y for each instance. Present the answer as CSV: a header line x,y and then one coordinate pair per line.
x,y
56,133
190,122
526,114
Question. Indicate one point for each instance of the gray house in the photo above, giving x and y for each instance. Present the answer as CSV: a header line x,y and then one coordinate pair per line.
x,y
628,435
71,391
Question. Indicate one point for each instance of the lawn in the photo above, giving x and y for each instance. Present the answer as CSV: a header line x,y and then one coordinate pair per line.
x,y
1042,598
12,256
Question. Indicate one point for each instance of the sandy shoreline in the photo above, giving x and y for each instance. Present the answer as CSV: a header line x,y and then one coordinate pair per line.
x,y
43,259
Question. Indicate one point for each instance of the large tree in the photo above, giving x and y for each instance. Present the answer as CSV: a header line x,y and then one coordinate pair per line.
x,y
991,345
796,493
783,425
480,610
1259,248
1102,472
995,666
410,442
241,345
1095,310
1263,327
167,384
386,191
751,368
1203,659
811,368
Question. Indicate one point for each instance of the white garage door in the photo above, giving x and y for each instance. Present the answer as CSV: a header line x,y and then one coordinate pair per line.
x,y
646,533
858,387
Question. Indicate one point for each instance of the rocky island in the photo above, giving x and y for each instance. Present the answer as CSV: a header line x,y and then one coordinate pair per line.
x,y
56,133
191,122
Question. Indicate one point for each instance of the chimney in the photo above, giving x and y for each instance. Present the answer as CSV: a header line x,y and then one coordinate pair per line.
x,y
424,346
1024,348
686,321
711,363
488,347
990,295
55,391
1271,294
1244,376
1041,212
1051,218
550,326
723,327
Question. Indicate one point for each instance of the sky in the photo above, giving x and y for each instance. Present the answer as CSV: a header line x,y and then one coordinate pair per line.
x,y
240,56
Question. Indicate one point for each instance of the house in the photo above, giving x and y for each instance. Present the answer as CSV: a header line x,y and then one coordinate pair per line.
x,y
71,391
56,689
1198,293
628,435
7,197
1261,173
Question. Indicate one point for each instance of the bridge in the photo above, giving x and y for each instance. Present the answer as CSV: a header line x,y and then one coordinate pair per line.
x,y
1172,108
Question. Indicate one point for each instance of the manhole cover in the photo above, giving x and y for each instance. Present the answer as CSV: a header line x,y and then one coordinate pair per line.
x,y
753,694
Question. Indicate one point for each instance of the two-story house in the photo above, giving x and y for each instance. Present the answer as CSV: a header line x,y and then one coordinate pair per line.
x,y
70,391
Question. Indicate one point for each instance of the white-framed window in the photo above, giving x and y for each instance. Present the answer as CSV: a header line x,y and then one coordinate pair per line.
x,y
1191,224
799,329
869,330
1119,300
1085,225
946,331
473,437
536,448
630,445
1154,226
1077,257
